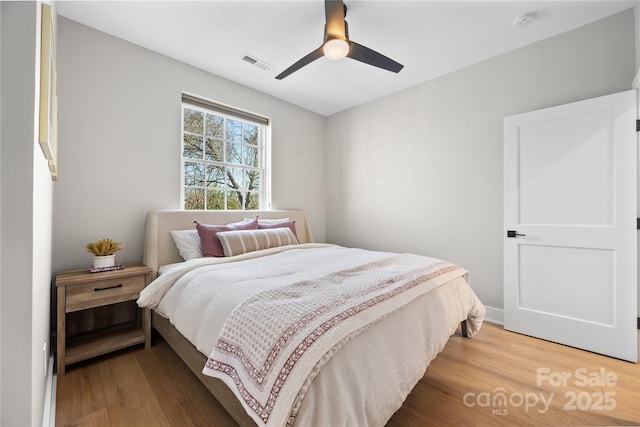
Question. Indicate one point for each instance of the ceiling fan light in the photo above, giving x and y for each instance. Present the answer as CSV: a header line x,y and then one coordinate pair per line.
x,y
336,49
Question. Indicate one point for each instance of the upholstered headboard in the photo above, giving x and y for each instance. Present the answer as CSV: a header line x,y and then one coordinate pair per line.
x,y
160,249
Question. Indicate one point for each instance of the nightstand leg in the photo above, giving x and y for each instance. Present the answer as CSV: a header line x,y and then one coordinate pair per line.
x,y
61,332
146,325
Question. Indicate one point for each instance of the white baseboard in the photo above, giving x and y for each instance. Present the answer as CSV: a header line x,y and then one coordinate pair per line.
x,y
49,412
494,315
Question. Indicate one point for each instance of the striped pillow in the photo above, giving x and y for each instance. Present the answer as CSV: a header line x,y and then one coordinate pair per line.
x,y
242,241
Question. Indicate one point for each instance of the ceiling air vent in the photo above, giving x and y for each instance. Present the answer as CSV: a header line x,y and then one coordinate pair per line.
x,y
255,61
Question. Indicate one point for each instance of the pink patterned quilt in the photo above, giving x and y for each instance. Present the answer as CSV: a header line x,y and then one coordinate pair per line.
x,y
276,340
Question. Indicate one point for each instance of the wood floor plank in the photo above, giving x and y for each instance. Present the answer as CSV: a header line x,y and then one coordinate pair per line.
x,y
135,387
131,400
497,360
88,410
95,419
185,401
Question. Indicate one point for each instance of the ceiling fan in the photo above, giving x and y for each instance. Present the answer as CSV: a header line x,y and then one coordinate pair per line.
x,y
337,45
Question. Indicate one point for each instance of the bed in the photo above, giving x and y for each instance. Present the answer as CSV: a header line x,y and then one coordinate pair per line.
x,y
363,364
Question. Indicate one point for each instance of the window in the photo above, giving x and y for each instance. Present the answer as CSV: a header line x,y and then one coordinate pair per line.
x,y
224,157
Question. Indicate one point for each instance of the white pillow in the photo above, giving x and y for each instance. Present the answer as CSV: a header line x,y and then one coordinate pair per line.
x,y
238,242
188,243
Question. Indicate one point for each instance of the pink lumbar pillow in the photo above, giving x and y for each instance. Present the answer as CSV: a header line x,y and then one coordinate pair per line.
x,y
209,241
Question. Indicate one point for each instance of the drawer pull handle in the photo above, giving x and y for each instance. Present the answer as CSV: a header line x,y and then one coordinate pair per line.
x,y
108,287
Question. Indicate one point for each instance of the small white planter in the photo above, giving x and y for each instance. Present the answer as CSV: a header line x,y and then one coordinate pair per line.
x,y
104,261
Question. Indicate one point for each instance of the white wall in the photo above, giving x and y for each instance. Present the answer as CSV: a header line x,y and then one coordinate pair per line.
x,y
119,142
421,170
25,225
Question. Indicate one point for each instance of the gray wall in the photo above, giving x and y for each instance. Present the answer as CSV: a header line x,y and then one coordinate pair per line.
x,y
119,149
25,225
421,170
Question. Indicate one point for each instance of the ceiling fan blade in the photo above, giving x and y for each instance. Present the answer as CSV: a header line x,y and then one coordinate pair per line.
x,y
301,63
371,57
334,12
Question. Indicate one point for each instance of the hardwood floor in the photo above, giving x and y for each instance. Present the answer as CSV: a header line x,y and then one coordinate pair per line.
x,y
462,386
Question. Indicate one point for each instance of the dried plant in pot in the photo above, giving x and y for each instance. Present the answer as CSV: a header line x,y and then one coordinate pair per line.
x,y
104,252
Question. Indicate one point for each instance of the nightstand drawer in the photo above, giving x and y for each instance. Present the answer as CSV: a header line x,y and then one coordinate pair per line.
x,y
103,292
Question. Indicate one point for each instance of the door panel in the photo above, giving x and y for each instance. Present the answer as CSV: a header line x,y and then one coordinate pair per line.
x,y
545,290
571,194
566,171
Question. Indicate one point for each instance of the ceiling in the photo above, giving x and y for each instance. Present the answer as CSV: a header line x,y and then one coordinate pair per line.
x,y
430,38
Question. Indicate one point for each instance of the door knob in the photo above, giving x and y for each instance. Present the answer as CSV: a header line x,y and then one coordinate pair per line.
x,y
514,233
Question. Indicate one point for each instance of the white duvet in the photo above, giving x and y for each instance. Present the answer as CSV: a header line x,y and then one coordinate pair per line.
x,y
367,380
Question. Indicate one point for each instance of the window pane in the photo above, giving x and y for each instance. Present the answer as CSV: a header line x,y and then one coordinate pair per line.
x,y
215,176
251,155
193,120
214,150
194,174
234,200
250,134
193,198
215,125
253,201
234,178
215,199
234,130
252,180
192,146
234,153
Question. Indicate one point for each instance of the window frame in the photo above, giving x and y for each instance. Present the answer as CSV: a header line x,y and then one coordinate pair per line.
x,y
263,148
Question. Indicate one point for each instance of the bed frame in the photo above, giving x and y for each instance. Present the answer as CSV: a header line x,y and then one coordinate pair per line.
x,y
160,250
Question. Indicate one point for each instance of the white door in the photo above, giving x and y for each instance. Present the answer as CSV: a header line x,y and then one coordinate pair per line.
x,y
570,205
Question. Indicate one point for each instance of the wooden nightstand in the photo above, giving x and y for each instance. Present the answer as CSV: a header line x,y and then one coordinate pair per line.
x,y
78,291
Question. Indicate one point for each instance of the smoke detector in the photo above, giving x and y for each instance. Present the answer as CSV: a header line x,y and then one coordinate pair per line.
x,y
524,20
255,61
